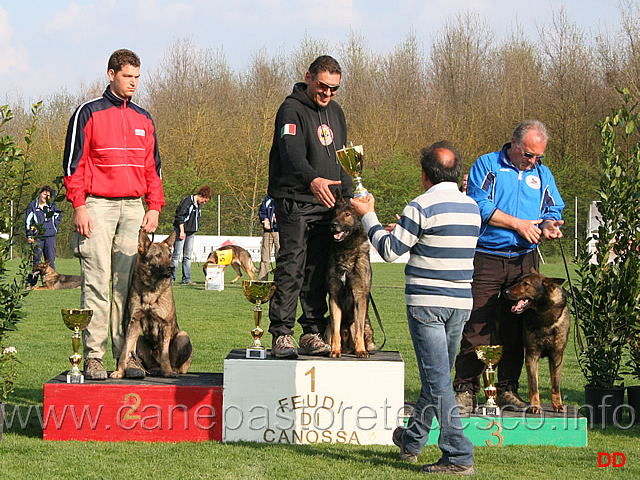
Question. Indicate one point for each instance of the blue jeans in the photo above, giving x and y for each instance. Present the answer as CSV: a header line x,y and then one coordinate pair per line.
x,y
436,333
185,247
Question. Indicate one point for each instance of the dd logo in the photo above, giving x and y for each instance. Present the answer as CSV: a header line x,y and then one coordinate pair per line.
x,y
616,459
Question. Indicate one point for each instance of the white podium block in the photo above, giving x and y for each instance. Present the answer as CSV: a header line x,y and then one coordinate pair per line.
x,y
313,399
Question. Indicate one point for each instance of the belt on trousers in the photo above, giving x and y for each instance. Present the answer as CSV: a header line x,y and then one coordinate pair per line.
x,y
506,253
113,198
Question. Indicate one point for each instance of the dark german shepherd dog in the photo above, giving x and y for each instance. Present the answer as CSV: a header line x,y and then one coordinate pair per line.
x,y
52,280
349,284
543,303
164,349
241,260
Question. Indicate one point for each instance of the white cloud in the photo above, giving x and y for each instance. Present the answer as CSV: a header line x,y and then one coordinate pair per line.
x,y
75,18
12,60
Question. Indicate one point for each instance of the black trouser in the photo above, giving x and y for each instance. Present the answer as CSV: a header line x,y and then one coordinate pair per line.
x,y
301,267
492,322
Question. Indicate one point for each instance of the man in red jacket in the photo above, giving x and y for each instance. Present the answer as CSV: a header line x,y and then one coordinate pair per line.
x,y
110,162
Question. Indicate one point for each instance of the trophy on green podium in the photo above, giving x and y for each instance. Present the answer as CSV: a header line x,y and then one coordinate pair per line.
x,y
257,292
76,319
490,356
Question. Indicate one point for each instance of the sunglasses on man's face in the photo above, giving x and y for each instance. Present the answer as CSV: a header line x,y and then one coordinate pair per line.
x,y
325,86
530,155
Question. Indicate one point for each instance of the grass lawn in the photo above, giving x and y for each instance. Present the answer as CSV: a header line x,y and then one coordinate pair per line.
x,y
220,321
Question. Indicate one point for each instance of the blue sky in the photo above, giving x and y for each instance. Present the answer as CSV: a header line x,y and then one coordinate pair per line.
x,y
49,45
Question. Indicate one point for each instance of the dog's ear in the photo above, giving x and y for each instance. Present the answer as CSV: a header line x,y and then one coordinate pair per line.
x,y
533,270
143,242
47,262
337,194
171,239
558,282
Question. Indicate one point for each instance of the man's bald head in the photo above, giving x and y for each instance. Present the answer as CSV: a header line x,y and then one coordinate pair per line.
x,y
441,163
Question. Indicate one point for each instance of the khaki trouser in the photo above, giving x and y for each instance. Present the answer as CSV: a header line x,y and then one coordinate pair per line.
x,y
270,241
109,255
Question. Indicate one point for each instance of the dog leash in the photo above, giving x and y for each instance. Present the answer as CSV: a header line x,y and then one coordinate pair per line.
x,y
573,297
384,334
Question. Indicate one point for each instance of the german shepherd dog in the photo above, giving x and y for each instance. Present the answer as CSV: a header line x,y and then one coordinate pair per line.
x,y
543,303
52,280
164,349
241,261
349,284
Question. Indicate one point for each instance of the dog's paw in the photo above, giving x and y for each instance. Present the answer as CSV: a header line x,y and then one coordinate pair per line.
x,y
363,354
335,354
535,409
558,408
169,374
116,374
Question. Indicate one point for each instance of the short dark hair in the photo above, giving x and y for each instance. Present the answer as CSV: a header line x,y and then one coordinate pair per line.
x,y
205,192
325,63
122,57
433,167
45,188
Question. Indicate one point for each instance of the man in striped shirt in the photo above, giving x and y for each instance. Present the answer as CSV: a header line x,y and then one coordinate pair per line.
x,y
439,229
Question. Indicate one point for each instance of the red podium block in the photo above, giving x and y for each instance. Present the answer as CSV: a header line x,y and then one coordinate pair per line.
x,y
183,409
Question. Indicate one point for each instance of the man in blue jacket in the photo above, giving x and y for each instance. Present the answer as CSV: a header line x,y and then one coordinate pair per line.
x,y
270,237
520,205
41,223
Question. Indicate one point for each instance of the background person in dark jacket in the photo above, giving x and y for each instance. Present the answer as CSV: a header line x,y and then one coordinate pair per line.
x,y
41,223
186,224
303,165
270,237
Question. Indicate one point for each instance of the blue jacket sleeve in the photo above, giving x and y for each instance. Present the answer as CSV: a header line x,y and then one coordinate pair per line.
x,y
481,186
552,203
262,211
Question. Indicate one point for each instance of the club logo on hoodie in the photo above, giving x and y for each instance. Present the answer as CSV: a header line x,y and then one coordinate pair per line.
x,y
325,134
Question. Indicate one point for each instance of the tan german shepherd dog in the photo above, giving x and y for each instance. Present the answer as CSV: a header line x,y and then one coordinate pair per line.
x,y
164,349
349,284
543,304
52,280
241,261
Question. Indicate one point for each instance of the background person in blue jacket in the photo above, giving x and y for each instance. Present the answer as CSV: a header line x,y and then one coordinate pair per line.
x,y
270,237
41,223
520,205
186,224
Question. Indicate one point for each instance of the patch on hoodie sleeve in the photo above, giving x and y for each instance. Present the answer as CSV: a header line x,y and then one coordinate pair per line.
x,y
288,129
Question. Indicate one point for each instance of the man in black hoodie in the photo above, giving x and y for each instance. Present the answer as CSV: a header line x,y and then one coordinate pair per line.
x,y
303,166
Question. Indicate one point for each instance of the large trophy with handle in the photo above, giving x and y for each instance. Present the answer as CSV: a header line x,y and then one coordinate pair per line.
x,y
352,160
76,319
257,292
490,356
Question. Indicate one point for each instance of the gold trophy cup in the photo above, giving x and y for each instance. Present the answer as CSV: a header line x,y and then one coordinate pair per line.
x,y
257,292
76,319
352,158
490,356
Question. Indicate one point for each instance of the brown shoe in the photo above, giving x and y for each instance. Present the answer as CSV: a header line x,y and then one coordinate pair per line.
x,y
94,369
133,368
283,347
467,402
404,453
313,344
508,398
450,468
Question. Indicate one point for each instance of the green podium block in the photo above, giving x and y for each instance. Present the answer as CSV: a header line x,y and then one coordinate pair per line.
x,y
567,429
